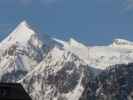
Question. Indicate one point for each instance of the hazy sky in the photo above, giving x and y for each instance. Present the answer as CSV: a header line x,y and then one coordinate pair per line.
x,y
89,21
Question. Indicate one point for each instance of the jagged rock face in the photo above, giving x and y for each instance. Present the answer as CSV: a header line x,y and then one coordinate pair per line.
x,y
64,79
115,83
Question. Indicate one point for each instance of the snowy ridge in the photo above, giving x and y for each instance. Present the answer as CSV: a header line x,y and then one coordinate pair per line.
x,y
75,47
120,51
122,43
23,37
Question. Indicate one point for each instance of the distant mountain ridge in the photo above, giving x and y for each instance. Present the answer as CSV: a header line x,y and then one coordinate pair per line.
x,y
53,69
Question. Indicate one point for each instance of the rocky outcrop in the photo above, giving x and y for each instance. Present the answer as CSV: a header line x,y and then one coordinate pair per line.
x,y
114,83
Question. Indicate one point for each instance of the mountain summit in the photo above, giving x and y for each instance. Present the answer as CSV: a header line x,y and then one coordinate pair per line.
x,y
22,33
20,52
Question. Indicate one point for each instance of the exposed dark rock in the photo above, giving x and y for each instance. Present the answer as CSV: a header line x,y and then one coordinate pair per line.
x,y
13,76
65,79
114,83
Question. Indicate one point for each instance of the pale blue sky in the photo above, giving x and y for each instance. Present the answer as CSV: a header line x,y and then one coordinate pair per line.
x,y
89,21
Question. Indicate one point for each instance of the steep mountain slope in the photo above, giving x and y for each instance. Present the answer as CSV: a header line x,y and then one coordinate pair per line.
x,y
114,83
20,52
58,77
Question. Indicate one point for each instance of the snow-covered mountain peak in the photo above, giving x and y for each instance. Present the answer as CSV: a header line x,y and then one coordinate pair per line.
x,y
21,34
24,23
74,43
121,42
21,51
